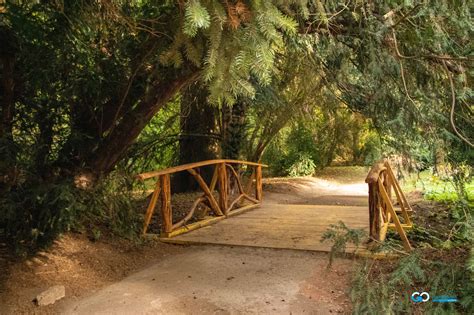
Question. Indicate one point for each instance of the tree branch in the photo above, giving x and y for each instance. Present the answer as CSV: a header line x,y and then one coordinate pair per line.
x,y
453,104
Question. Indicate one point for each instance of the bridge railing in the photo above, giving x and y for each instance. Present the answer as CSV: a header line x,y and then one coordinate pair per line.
x,y
384,211
222,206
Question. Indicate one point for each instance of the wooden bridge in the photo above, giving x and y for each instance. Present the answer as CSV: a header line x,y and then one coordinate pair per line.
x,y
236,187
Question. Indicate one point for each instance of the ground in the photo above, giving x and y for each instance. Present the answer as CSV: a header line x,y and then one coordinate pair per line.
x,y
81,265
228,280
210,279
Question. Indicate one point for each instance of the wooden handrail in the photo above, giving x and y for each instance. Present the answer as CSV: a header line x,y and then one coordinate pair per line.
x,y
219,205
188,166
375,171
382,212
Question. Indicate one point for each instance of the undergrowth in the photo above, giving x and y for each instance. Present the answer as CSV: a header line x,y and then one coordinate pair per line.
x,y
35,213
385,287
380,287
341,235
442,263
112,204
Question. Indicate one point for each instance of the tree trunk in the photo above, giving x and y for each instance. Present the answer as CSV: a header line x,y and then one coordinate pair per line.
x,y
8,173
233,130
198,140
7,97
44,141
112,148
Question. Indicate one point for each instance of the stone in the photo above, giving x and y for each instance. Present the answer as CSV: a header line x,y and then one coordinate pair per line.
x,y
51,295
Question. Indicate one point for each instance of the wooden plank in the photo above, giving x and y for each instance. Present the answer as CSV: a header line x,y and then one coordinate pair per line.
x,y
404,205
151,207
212,186
278,226
404,226
166,213
188,166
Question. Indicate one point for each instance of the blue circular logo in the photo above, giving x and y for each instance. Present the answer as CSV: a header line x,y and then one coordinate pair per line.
x,y
418,297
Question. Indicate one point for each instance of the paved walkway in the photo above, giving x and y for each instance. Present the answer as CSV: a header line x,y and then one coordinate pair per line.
x,y
226,280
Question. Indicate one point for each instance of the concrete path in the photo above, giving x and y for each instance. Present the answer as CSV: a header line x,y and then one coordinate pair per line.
x,y
227,280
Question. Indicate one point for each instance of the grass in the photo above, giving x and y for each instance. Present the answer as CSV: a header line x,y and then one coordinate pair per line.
x,y
436,188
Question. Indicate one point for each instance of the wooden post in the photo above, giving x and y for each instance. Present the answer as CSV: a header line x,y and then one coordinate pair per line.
x,y
375,203
151,206
374,212
222,179
166,204
258,183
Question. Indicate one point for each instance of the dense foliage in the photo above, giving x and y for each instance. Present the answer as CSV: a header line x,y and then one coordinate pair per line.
x,y
91,89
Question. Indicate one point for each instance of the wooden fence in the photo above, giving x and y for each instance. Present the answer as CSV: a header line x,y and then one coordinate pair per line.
x,y
384,212
221,206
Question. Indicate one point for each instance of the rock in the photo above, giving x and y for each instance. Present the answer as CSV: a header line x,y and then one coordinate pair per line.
x,y
51,295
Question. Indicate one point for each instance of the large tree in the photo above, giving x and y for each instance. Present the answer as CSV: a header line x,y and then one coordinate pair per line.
x,y
111,66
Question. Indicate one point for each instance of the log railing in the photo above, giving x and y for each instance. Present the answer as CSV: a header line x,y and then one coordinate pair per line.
x,y
221,206
384,212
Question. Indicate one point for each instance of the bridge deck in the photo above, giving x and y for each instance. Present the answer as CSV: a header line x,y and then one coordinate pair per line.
x,y
288,226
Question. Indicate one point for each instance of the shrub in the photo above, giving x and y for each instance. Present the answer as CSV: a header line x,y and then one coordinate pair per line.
x,y
35,213
303,166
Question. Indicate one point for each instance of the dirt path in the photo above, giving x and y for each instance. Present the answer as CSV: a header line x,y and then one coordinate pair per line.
x,y
196,279
333,186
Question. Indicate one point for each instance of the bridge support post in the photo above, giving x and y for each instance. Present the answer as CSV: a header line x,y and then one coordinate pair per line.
x,y
382,212
166,204
258,183
223,188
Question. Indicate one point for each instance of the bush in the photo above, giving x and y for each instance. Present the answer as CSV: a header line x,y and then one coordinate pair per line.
x,y
112,204
303,166
35,213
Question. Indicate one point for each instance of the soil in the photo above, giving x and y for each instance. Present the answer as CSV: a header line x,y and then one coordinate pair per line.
x,y
81,265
